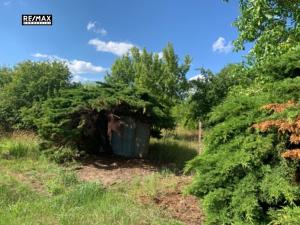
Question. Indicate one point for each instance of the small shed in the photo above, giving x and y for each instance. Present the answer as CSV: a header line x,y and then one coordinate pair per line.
x,y
129,137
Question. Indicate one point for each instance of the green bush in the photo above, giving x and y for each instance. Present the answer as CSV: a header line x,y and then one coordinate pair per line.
x,y
286,216
60,154
241,176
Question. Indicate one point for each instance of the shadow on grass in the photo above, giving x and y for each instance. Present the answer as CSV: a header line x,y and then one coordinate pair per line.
x,y
171,153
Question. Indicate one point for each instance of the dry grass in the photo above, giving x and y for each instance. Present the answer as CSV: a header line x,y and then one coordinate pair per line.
x,y
175,149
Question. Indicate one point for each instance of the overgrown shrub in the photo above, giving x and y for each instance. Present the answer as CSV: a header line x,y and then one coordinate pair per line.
x,y
78,117
61,154
287,216
242,177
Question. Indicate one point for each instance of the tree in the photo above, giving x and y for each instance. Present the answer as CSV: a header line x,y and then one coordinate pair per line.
x,y
163,77
5,76
272,24
29,83
278,67
209,91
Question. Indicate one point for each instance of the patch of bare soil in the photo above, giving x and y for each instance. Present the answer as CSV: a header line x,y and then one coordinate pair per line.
x,y
113,170
182,207
34,184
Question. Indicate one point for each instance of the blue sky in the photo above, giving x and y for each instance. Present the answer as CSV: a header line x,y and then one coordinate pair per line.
x,y
89,35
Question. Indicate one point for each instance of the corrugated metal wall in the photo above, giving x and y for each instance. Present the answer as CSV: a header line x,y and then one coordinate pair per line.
x,y
132,138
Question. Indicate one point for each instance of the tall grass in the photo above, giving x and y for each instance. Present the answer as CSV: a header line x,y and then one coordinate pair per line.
x,y
175,148
19,145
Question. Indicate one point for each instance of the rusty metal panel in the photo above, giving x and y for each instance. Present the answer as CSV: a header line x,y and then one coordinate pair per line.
x,y
142,138
132,138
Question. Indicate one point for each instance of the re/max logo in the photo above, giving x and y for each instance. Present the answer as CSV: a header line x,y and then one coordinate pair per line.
x,y
37,19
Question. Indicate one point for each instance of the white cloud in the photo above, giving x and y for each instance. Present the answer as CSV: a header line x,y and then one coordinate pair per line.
x,y
79,79
79,67
92,26
39,55
197,77
75,66
160,55
49,57
117,48
221,46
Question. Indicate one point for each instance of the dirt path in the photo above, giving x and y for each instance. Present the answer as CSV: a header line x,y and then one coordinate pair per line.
x,y
111,171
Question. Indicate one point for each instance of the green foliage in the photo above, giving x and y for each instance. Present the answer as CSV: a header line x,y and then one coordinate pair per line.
x,y
241,176
273,25
163,77
286,216
27,84
62,118
61,154
278,67
5,76
184,114
77,117
208,92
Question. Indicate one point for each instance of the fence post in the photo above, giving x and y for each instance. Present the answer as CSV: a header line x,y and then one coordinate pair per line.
x,y
200,136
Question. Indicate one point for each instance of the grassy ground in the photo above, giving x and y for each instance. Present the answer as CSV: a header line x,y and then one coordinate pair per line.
x,y
35,190
175,148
